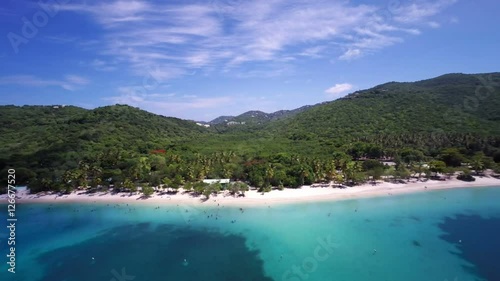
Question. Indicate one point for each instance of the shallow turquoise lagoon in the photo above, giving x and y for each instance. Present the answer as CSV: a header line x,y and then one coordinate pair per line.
x,y
436,235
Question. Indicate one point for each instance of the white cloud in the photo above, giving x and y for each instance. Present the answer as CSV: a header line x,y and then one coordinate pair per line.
x,y
222,35
193,106
313,52
185,106
339,89
351,54
419,11
158,95
75,79
102,65
434,24
110,13
70,82
60,39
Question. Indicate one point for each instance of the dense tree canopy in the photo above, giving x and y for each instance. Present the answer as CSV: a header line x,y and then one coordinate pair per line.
x,y
345,141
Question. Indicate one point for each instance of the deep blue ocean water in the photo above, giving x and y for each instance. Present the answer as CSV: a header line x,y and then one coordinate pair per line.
x,y
449,235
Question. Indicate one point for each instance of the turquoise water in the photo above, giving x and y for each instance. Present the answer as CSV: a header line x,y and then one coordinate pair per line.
x,y
439,235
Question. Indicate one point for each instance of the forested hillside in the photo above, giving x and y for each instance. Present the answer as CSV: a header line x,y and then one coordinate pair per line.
x,y
450,106
50,140
451,122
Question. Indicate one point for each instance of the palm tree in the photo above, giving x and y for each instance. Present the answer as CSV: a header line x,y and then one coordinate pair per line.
x,y
227,171
144,166
70,178
477,163
83,174
419,168
190,173
129,185
269,173
350,170
318,170
95,173
331,170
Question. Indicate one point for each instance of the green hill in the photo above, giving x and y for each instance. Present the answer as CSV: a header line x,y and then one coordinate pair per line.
x,y
453,110
53,139
448,104
52,147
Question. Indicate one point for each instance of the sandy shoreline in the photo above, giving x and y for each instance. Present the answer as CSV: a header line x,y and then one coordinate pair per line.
x,y
252,197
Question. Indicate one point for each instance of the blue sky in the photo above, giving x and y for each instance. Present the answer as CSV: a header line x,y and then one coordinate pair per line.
x,y
202,59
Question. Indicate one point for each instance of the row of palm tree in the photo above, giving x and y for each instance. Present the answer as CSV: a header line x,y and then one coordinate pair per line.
x,y
174,170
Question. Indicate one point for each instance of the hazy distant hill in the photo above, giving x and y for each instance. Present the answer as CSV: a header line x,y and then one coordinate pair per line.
x,y
258,117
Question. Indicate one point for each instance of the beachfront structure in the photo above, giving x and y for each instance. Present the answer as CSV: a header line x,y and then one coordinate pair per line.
x,y
223,182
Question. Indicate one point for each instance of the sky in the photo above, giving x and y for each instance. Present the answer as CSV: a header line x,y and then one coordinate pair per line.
x,y
198,60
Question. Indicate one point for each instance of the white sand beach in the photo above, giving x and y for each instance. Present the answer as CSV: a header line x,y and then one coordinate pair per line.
x,y
253,197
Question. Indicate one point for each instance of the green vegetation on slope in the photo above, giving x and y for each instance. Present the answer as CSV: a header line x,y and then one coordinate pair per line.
x,y
447,104
445,121
43,140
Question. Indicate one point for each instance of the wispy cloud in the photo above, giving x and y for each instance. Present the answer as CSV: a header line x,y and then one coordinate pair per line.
x,y
419,11
351,54
60,39
313,52
76,80
166,100
222,35
339,89
193,105
70,82
169,104
102,65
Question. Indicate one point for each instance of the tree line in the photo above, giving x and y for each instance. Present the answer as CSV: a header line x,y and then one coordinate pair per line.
x,y
162,170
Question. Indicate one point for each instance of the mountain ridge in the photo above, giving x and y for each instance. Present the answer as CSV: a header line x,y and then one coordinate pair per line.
x,y
256,116
435,81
